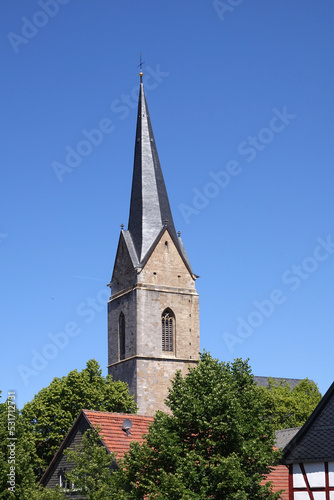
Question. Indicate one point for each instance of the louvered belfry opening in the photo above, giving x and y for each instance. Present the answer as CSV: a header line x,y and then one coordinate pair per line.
x,y
121,333
167,325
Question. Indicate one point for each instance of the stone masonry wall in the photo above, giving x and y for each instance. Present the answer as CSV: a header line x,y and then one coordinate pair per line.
x,y
150,306
127,304
126,371
165,267
164,282
155,378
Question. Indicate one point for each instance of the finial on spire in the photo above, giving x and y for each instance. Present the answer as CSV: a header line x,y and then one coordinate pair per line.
x,y
122,227
140,65
179,234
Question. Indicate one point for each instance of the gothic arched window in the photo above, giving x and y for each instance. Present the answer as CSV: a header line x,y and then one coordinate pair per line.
x,y
167,330
121,335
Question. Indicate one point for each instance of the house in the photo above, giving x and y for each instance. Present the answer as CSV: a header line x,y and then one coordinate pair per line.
x,y
306,471
309,454
118,430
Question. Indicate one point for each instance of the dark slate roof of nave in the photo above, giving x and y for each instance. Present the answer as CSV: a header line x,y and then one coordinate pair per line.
x,y
284,436
263,381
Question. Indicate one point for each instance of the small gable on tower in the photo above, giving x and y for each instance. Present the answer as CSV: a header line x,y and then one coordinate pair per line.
x,y
124,273
167,264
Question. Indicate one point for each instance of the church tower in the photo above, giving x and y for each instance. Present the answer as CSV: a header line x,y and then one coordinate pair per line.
x,y
153,311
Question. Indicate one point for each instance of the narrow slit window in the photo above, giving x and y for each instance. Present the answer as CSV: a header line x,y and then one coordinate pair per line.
x,y
168,327
121,334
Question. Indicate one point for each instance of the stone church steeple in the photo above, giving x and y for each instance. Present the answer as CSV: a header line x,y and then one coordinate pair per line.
x,y
153,312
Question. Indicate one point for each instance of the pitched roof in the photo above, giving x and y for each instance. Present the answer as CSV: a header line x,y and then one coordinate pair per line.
x,y
284,436
314,442
115,438
263,381
149,206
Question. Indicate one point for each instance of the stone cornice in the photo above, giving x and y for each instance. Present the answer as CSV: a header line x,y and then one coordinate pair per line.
x,y
155,358
154,288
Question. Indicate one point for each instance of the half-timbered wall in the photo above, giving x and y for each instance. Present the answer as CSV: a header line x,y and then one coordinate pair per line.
x,y
312,481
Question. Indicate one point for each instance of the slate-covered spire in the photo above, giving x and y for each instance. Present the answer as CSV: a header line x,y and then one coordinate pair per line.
x,y
149,206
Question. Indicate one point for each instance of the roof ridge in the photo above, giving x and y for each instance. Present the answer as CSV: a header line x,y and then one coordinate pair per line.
x,y
135,415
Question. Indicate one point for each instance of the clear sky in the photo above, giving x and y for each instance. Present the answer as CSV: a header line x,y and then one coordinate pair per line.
x,y
240,95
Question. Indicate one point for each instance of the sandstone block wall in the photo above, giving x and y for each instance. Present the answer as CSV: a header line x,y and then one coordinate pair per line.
x,y
155,379
164,282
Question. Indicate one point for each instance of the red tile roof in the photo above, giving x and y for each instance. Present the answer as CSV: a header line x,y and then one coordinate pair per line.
x,y
115,438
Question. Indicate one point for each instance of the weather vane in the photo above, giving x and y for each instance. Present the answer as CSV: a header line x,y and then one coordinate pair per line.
x,y
140,65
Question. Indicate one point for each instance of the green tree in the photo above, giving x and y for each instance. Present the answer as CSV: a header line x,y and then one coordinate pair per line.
x,y
52,412
37,492
216,443
92,467
289,407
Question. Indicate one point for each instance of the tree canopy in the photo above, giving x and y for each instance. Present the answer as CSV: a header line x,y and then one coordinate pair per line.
x,y
52,412
216,443
289,407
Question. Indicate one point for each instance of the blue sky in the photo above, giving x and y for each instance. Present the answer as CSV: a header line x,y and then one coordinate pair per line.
x,y
241,101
